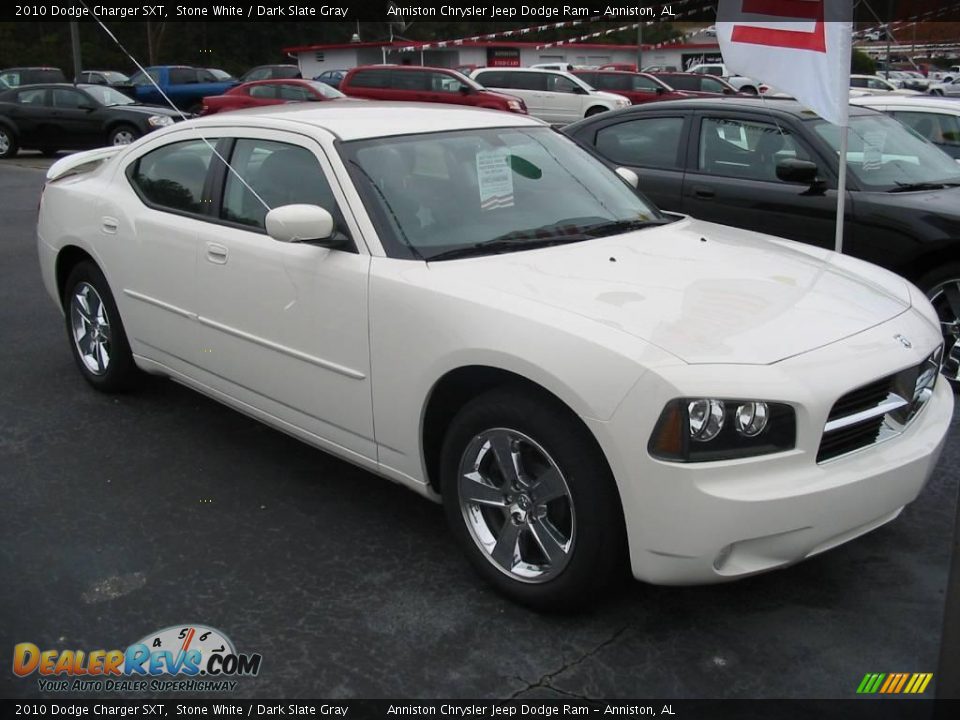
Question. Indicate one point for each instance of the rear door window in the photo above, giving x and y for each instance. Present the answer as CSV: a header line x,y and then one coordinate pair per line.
x,y
172,177
370,79
647,142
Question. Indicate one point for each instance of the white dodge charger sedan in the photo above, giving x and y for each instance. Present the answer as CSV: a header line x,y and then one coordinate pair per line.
x,y
468,303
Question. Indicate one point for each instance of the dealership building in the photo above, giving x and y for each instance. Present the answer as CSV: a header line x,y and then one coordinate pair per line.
x,y
314,59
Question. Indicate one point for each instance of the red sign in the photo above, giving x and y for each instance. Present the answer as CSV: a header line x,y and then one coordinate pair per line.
x,y
503,57
779,9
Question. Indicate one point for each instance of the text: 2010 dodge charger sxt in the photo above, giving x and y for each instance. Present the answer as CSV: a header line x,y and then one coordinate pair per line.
x,y
468,303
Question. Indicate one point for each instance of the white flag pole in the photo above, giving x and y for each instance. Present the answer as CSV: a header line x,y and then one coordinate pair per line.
x,y
841,188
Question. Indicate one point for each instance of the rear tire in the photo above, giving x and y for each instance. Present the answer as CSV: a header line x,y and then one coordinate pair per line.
x,y
95,331
8,143
942,288
531,500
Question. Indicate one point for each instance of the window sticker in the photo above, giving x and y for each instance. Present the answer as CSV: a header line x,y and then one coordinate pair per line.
x,y
873,150
494,179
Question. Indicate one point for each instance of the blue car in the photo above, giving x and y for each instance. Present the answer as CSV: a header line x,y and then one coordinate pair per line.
x,y
185,86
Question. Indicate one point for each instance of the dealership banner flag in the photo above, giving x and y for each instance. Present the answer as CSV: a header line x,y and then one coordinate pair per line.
x,y
800,47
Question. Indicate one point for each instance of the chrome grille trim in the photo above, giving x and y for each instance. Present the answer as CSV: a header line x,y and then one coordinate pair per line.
x,y
894,402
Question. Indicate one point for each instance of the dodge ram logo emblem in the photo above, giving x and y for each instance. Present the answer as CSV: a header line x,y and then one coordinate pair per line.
x,y
903,341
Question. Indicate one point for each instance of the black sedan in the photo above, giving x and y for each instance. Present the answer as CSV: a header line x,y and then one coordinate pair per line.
x,y
771,166
61,117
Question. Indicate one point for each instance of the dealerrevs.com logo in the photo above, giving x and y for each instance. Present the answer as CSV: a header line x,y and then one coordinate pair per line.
x,y
181,658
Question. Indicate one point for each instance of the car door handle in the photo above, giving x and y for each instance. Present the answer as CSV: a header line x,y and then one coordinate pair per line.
x,y
704,193
216,253
109,225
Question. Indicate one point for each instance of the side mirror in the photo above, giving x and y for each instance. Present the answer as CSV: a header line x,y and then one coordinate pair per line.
x,y
465,90
629,177
802,172
87,106
300,223
660,90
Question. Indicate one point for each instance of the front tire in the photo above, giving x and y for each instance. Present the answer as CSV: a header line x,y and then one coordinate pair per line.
x,y
8,144
97,338
942,288
531,500
123,135
595,111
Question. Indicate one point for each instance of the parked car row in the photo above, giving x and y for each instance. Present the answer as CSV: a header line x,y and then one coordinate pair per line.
x,y
558,96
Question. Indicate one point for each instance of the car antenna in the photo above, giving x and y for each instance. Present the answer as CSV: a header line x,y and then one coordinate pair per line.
x,y
183,116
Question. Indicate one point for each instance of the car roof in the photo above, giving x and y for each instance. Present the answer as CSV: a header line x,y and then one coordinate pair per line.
x,y
52,86
779,106
395,66
920,101
526,70
361,119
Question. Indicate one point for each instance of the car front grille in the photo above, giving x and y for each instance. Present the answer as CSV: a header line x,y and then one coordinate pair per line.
x,y
878,411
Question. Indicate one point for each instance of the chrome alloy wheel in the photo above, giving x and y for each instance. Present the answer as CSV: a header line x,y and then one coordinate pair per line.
x,y
946,301
123,137
4,142
91,328
517,505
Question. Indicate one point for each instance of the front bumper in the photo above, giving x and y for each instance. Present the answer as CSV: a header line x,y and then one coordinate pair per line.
x,y
716,521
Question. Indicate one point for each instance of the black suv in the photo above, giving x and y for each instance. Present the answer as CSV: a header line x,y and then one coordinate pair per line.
x,y
771,166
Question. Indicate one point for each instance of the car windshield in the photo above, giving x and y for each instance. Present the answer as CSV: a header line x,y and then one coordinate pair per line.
x,y
884,155
328,92
106,95
482,189
115,77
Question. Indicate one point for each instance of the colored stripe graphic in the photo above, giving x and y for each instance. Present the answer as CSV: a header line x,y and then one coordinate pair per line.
x,y
894,683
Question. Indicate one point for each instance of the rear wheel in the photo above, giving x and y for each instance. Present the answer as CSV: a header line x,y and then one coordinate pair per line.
x,y
97,338
942,287
123,135
531,500
8,143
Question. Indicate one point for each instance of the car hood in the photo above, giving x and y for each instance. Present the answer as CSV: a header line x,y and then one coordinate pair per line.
x,y
147,109
498,94
609,95
705,293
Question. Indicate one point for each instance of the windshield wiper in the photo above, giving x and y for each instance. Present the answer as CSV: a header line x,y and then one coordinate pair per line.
x,y
620,226
506,244
530,239
911,187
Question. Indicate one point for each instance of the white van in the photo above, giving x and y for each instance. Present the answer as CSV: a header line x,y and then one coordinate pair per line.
x,y
552,95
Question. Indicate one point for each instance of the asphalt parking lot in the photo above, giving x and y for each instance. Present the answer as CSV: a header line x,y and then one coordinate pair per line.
x,y
123,515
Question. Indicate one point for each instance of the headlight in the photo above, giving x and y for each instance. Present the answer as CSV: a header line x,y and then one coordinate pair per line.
x,y
706,429
623,103
159,120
